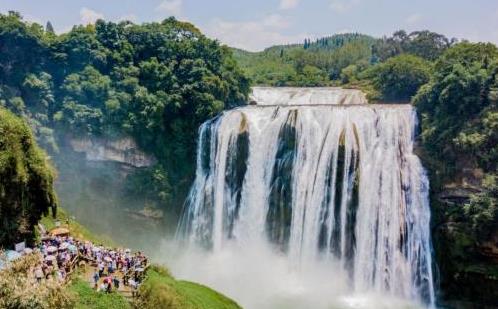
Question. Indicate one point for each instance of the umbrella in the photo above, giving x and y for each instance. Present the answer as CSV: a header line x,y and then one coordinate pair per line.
x,y
52,249
63,246
72,248
107,259
12,255
50,258
127,250
60,231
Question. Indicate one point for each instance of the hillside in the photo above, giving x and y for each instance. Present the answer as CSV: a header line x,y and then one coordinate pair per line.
x,y
315,63
334,60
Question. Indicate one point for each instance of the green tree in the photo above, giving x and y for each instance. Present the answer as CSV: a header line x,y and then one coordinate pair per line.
x,y
26,181
49,28
399,78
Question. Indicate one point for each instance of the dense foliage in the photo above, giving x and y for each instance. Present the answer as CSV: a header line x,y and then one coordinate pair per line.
x,y
399,78
350,59
156,82
459,108
316,63
26,181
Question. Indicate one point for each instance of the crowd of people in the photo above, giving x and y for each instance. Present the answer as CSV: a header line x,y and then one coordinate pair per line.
x,y
113,267
111,263
59,257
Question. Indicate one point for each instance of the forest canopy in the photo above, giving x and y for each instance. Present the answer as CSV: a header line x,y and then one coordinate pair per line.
x,y
155,81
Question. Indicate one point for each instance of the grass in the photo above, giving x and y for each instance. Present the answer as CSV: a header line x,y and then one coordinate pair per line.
x,y
76,229
88,298
161,290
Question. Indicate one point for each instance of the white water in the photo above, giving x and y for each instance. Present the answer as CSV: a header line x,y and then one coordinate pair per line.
x,y
328,209
306,96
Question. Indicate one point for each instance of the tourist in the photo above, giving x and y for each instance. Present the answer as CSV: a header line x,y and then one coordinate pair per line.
x,y
116,282
39,274
96,278
101,269
133,286
60,254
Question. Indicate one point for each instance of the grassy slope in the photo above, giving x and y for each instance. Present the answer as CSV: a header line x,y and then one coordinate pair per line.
x,y
88,298
161,290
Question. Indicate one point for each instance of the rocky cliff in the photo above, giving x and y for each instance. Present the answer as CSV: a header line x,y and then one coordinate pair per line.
x,y
468,266
123,150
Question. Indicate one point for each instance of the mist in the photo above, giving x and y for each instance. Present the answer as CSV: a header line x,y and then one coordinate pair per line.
x,y
257,276
93,193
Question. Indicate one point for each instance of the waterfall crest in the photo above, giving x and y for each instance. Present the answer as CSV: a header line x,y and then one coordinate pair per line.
x,y
318,181
306,96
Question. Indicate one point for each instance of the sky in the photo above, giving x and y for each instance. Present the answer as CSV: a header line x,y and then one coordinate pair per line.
x,y
257,24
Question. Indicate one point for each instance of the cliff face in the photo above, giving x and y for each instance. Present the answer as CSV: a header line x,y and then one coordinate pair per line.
x,y
123,150
468,267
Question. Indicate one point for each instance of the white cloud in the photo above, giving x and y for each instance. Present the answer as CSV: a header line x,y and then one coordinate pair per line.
x,y
89,16
413,19
253,35
344,31
129,17
341,6
276,21
172,7
288,4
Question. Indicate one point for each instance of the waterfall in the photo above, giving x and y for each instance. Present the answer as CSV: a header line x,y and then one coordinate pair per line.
x,y
318,175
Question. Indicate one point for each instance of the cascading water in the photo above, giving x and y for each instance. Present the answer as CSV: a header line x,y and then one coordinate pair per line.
x,y
321,178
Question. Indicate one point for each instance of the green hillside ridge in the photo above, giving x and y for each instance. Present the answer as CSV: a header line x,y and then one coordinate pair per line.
x,y
340,59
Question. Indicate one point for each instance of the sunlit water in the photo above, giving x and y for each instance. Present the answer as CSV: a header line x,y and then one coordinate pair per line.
x,y
309,205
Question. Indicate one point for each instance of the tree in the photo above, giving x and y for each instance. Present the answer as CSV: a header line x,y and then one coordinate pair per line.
x,y
157,82
459,102
26,181
49,28
399,78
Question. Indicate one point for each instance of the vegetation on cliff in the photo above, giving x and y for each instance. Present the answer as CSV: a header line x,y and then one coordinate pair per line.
x,y
459,111
155,81
26,181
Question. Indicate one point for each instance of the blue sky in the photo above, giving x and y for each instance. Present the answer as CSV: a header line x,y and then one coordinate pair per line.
x,y
257,24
